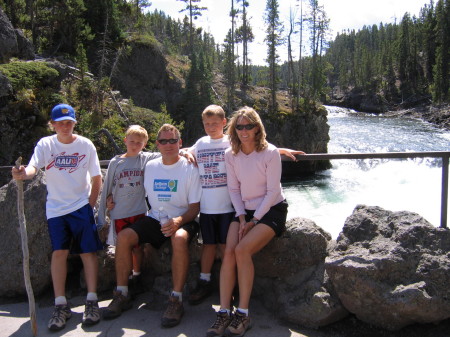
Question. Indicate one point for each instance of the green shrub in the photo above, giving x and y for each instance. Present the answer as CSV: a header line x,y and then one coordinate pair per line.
x,y
29,75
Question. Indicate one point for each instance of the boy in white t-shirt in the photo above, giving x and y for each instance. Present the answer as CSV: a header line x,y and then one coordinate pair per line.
x,y
73,175
216,209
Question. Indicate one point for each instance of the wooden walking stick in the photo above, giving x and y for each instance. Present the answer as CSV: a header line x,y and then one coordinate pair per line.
x,y
25,253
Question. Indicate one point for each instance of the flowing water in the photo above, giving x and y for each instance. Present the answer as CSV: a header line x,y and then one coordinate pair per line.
x,y
329,197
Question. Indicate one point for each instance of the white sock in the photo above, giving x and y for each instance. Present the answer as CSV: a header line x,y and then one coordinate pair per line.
x,y
243,311
91,297
60,300
205,276
136,273
228,311
177,294
123,290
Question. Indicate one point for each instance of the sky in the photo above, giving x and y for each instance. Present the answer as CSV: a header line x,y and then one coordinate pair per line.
x,y
343,14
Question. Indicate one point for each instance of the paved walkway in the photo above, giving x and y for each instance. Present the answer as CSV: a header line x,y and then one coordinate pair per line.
x,y
142,320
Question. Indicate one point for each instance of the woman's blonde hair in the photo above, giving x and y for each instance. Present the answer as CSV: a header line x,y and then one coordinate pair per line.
x,y
253,118
138,131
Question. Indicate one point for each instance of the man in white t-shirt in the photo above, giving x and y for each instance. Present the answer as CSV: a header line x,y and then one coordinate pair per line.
x,y
173,187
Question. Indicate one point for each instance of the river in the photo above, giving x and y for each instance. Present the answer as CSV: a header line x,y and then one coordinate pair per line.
x,y
329,196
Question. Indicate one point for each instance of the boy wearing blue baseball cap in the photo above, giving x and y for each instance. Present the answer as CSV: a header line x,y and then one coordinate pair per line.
x,y
74,180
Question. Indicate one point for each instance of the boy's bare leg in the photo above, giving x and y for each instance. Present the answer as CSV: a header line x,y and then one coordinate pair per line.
x,y
228,269
222,250
90,264
126,240
138,256
58,269
207,258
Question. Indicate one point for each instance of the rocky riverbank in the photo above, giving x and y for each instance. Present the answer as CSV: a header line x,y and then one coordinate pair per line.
x,y
438,115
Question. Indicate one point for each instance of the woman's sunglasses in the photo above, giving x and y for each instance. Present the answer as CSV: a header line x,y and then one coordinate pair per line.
x,y
241,127
165,141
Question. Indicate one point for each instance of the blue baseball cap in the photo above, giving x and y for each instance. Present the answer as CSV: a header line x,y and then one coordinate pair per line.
x,y
63,112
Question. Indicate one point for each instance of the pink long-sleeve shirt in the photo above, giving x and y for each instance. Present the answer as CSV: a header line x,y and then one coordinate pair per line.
x,y
254,180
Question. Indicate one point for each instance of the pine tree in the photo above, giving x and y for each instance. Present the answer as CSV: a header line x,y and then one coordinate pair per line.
x,y
229,70
195,10
441,70
273,39
246,37
318,26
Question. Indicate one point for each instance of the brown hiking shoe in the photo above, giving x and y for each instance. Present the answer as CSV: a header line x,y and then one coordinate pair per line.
x,y
60,315
239,325
118,304
201,291
174,312
223,320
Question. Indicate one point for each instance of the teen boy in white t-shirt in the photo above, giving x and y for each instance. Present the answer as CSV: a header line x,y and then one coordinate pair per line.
x,y
73,176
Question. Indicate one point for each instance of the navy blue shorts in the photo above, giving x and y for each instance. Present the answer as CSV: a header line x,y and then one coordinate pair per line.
x,y
214,227
75,231
149,231
275,218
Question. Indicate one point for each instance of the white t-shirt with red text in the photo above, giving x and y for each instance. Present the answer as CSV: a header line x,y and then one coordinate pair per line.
x,y
68,172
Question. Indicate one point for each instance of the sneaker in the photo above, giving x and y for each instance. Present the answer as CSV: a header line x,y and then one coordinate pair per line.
x,y
174,312
239,325
201,291
118,304
223,320
91,313
60,315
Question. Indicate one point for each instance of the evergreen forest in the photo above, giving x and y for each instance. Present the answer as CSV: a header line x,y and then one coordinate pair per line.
x,y
402,62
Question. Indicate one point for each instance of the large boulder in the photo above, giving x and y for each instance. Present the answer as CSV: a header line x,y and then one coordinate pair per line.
x,y
143,74
291,278
25,47
392,269
8,40
6,89
13,42
11,268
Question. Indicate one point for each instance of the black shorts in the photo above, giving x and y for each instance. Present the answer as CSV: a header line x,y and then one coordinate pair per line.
x,y
275,218
214,227
149,231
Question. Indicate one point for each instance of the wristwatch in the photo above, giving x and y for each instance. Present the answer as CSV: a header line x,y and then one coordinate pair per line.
x,y
255,221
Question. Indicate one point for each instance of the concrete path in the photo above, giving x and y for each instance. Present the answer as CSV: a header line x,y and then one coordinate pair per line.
x,y
142,320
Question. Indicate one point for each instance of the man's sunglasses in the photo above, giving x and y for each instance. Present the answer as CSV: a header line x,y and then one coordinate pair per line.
x,y
165,141
241,127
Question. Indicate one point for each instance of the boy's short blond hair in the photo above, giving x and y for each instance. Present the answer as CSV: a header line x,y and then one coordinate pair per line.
x,y
138,131
213,110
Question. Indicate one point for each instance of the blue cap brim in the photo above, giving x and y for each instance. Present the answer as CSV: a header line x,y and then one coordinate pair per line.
x,y
66,118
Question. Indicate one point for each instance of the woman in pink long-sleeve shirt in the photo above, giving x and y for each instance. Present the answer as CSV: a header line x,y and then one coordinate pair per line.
x,y
253,174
